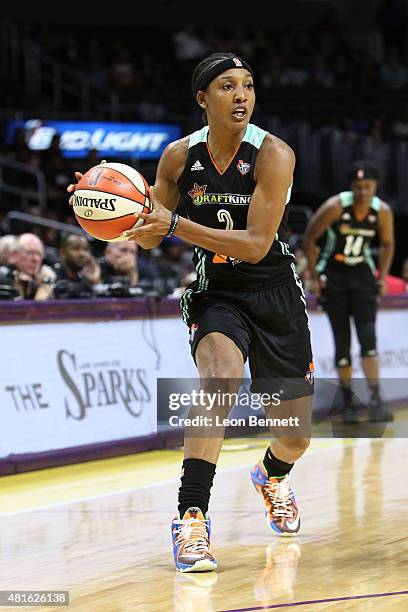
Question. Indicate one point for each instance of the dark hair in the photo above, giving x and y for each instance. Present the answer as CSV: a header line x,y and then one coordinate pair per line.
x,y
363,169
66,239
206,64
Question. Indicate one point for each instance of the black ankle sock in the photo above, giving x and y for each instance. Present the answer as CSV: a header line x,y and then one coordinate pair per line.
x,y
375,391
196,482
347,393
275,467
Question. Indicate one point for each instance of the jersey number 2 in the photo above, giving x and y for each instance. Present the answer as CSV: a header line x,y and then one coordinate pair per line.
x,y
223,216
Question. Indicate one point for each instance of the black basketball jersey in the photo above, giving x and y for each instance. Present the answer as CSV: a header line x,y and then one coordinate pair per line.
x,y
348,242
221,200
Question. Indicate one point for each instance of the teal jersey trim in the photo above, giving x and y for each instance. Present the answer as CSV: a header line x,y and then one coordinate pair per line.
x,y
199,136
376,203
327,251
346,198
254,135
368,257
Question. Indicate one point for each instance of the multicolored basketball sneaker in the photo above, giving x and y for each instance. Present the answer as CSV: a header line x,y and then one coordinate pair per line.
x,y
281,511
191,542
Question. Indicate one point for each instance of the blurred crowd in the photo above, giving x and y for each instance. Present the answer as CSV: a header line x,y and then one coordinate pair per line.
x,y
29,270
324,57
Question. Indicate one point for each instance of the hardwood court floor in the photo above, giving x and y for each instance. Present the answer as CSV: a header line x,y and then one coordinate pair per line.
x,y
102,531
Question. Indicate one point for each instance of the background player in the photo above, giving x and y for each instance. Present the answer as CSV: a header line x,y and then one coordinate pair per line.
x,y
344,272
234,180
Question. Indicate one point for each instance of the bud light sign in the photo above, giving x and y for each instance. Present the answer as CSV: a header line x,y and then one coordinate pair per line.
x,y
77,138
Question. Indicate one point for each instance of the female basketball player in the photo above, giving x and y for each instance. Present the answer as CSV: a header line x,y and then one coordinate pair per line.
x,y
235,181
344,274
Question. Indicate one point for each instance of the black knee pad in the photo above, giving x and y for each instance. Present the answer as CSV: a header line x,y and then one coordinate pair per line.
x,y
366,335
343,355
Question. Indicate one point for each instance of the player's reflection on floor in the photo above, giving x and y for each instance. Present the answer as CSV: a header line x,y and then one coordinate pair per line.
x,y
193,592
278,577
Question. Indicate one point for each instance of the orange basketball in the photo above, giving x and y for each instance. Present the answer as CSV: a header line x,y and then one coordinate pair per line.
x,y
107,198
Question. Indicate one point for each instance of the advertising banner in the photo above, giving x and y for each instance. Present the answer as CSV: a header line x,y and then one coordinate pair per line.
x,y
70,384
124,140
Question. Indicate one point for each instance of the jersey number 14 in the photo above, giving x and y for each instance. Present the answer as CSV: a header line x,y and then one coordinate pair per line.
x,y
353,246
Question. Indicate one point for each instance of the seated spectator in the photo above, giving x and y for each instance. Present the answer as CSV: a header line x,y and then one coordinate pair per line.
x,y
400,127
188,45
6,243
26,272
78,271
58,172
175,264
119,263
393,73
18,150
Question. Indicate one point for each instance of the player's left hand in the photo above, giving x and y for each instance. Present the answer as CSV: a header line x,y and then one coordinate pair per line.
x,y
155,223
381,288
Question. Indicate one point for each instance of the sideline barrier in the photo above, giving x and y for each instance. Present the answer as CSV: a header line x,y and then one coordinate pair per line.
x,y
78,377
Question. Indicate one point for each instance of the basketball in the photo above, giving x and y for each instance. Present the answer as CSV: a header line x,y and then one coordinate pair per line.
x,y
107,198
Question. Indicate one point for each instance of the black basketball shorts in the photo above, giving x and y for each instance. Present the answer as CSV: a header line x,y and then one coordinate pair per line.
x,y
269,326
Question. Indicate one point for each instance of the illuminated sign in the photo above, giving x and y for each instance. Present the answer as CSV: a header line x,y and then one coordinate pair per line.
x,y
133,140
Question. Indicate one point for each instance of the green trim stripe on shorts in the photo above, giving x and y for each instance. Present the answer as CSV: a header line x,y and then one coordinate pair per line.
x,y
202,279
185,304
200,267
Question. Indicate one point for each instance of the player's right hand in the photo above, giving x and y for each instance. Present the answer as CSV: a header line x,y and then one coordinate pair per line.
x,y
71,187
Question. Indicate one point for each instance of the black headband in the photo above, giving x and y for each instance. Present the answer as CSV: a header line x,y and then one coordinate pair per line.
x,y
223,65
358,173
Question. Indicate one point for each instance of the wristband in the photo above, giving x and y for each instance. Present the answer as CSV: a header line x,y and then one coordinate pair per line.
x,y
173,224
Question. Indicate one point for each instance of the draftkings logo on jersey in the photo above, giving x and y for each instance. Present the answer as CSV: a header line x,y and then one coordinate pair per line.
x,y
199,196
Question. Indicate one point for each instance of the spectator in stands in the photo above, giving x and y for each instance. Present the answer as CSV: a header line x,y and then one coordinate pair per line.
x,y
392,20
58,173
272,75
26,270
120,263
400,127
6,242
122,70
18,150
342,71
294,75
147,263
175,263
393,73
322,75
188,45
78,270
